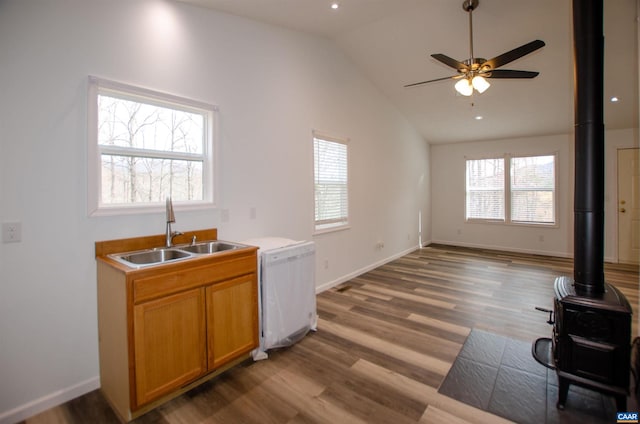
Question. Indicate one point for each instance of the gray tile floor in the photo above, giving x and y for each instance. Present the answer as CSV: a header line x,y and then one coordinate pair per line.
x,y
498,374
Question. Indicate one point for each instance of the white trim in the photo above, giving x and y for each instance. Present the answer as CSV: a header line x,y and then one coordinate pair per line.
x,y
209,154
122,210
504,248
51,400
137,93
340,225
351,275
507,220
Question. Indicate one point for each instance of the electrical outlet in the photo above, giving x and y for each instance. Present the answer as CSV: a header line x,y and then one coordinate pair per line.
x,y
11,232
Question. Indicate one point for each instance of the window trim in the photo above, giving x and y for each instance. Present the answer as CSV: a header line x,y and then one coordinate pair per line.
x,y
336,226
507,192
99,86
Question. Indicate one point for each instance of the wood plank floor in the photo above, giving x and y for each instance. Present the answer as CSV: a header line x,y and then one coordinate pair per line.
x,y
386,340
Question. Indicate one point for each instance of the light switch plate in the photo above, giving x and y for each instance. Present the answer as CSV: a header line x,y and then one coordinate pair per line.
x,y
11,232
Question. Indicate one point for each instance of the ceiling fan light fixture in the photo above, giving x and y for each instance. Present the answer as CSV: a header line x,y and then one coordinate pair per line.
x,y
480,83
464,87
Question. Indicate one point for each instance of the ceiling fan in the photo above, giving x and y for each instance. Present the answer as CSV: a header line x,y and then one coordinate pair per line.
x,y
472,73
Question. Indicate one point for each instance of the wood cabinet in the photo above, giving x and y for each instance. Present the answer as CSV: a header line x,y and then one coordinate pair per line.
x,y
169,343
228,315
167,328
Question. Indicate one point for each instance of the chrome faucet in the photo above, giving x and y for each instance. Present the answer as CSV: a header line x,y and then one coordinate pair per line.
x,y
170,219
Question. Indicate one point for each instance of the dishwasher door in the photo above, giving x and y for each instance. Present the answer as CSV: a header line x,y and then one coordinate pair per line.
x,y
288,292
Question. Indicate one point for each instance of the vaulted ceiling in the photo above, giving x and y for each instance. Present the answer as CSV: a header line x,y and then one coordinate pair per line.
x,y
391,42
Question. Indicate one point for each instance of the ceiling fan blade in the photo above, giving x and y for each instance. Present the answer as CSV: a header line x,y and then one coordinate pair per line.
x,y
433,80
508,73
514,54
461,67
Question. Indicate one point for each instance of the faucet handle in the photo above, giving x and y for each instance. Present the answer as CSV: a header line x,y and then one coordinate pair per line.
x,y
193,240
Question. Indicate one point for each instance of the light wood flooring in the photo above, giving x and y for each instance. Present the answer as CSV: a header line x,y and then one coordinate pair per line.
x,y
385,342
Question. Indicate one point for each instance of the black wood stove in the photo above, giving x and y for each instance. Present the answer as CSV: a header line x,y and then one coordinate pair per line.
x,y
591,341
591,338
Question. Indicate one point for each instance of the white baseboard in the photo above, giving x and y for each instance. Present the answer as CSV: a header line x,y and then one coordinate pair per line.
x,y
347,277
504,249
22,412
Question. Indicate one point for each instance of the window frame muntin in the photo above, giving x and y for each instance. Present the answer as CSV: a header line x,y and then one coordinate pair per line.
x,y
210,162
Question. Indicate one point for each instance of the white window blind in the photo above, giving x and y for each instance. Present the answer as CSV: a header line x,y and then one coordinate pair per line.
x,y
533,189
485,189
331,183
525,195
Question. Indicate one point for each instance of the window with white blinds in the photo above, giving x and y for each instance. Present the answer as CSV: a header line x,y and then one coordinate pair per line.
x,y
533,189
485,189
331,178
524,195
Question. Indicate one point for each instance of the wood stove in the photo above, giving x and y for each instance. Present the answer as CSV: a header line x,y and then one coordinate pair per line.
x,y
591,338
591,341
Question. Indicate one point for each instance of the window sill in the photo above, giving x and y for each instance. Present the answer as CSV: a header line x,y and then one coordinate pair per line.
x,y
330,229
512,223
121,210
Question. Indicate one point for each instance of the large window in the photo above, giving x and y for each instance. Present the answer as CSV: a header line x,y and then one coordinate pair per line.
x,y
146,146
526,194
330,160
533,183
485,189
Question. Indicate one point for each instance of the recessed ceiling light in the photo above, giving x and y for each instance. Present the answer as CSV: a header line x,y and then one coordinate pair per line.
x,y
335,5
614,99
478,118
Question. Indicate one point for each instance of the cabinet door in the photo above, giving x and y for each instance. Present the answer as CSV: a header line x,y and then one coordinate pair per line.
x,y
169,340
232,319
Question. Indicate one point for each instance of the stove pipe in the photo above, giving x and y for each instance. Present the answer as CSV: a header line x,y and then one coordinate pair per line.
x,y
588,51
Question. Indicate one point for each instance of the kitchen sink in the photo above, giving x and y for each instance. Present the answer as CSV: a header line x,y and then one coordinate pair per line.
x,y
162,255
155,256
210,247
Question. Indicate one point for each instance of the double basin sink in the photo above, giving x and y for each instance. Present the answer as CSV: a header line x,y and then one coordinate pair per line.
x,y
162,255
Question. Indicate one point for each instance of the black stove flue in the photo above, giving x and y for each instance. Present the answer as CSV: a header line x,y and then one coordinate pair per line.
x,y
590,346
588,53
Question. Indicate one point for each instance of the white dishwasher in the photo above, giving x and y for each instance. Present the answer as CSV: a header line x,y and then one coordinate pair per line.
x,y
286,278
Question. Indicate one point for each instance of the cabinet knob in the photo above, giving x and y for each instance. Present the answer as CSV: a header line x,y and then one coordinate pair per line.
x,y
623,210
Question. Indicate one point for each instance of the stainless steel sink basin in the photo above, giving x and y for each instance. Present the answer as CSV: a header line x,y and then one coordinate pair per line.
x,y
151,257
210,247
161,255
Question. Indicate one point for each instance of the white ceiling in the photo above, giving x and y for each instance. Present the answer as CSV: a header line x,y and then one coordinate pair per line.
x,y
391,42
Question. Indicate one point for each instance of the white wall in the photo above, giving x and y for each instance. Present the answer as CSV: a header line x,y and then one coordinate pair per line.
x,y
448,195
273,87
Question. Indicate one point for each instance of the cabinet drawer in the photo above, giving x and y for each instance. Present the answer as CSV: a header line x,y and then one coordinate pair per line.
x,y
190,277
